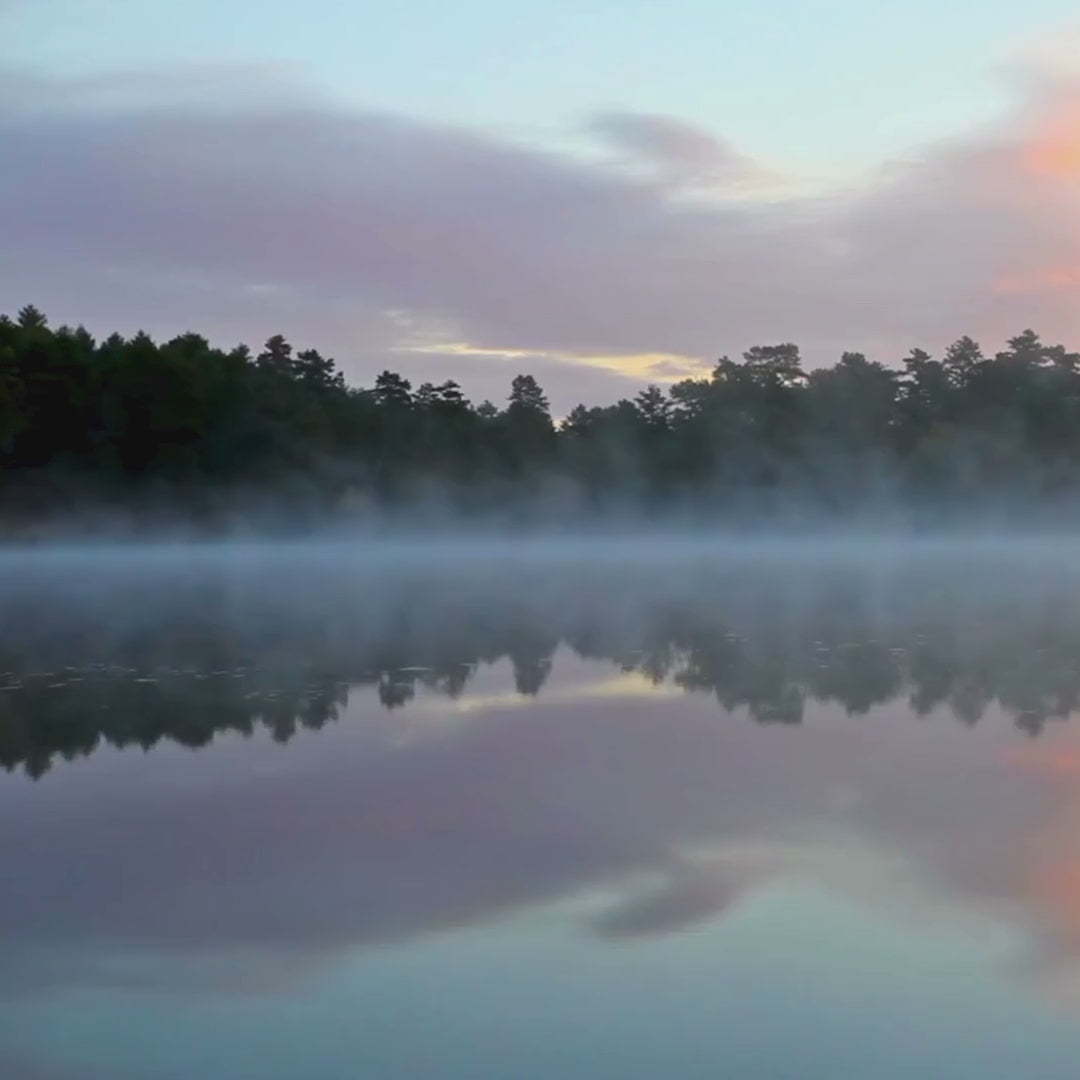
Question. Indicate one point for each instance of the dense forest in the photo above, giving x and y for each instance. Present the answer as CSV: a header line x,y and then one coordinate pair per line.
x,y
183,431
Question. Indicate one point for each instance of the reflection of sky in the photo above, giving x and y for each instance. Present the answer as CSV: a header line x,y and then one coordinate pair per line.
x,y
609,879
796,984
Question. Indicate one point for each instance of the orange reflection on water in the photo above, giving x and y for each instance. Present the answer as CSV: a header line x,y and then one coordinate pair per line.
x,y
1051,860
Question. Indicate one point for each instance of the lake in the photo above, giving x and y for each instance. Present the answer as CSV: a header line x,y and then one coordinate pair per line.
x,y
540,810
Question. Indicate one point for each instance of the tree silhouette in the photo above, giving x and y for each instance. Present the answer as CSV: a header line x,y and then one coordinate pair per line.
x,y
183,431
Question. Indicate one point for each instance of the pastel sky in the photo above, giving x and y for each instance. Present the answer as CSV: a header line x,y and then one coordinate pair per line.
x,y
604,193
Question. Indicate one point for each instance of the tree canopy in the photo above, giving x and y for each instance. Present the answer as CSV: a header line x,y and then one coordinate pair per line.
x,y
186,430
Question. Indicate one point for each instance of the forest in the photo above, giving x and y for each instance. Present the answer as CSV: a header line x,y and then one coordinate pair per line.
x,y
129,429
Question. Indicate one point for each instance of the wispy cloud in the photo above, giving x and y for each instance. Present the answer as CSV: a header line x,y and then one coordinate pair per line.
x,y
240,202
645,367
680,155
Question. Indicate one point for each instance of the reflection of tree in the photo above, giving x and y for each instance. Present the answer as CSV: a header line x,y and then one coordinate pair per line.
x,y
142,656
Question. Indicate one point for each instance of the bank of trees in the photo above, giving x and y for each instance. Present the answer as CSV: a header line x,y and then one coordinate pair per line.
x,y
186,430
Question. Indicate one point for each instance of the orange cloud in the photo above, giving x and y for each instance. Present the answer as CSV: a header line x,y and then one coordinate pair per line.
x,y
1042,264
1054,152
524,250
1042,280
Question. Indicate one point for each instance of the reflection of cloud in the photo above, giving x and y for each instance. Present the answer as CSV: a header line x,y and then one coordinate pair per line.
x,y
680,902
13,1068
1048,866
247,867
1050,761
356,839
629,686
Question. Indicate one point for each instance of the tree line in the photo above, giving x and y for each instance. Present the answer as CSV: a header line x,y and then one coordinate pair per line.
x,y
182,428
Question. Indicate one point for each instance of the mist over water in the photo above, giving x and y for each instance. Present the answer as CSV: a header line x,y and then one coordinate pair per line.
x,y
588,808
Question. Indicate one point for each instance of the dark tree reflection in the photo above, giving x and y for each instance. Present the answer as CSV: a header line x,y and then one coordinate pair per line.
x,y
133,654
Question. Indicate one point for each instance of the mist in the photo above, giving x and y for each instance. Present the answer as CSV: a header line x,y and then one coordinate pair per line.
x,y
409,658
236,772
521,585
134,645
132,439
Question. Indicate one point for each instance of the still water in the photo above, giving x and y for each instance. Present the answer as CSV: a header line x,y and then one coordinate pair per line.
x,y
528,813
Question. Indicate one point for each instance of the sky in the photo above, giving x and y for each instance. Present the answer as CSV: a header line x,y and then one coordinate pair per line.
x,y
602,193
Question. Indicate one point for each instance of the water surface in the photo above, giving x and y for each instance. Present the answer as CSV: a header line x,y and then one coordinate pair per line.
x,y
527,813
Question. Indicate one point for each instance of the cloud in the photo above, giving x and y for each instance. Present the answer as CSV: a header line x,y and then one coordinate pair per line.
x,y
240,202
645,367
683,154
1041,281
1055,151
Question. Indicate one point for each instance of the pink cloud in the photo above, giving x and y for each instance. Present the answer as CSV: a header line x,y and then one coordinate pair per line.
x,y
240,203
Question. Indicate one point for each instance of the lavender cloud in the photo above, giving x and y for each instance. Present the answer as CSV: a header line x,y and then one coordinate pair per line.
x,y
682,154
241,203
